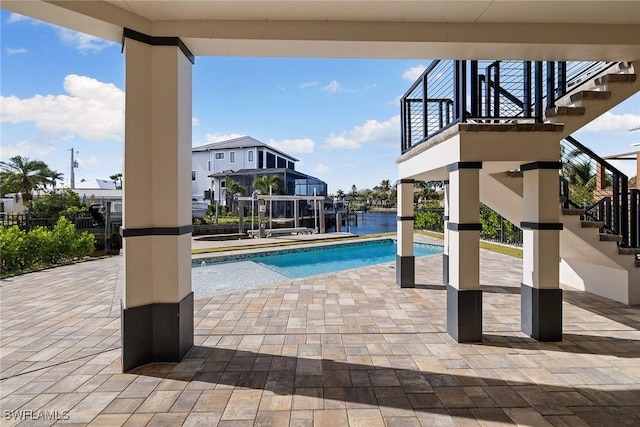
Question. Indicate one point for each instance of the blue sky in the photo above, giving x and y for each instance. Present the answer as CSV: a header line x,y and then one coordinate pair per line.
x,y
62,89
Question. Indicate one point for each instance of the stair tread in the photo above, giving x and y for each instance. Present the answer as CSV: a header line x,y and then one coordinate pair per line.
x,y
591,224
610,237
560,110
615,78
629,251
590,95
572,211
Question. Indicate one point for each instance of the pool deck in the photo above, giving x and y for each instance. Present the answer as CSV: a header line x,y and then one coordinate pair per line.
x,y
348,348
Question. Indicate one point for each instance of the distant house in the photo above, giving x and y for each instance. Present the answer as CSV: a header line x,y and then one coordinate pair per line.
x,y
244,159
97,190
95,184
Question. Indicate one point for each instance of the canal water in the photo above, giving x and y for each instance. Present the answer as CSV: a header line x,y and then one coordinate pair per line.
x,y
371,223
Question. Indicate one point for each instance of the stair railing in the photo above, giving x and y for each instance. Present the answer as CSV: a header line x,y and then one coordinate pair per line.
x,y
593,184
451,92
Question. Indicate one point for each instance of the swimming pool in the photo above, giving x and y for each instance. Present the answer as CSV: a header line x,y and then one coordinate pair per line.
x,y
234,271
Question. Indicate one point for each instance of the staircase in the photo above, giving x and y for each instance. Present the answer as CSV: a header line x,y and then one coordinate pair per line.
x,y
600,242
591,259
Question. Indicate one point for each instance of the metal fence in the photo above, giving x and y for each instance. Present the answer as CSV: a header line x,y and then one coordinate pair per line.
x,y
27,222
494,227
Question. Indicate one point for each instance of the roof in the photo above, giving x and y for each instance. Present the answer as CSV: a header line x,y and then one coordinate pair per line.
x,y
95,184
257,172
241,142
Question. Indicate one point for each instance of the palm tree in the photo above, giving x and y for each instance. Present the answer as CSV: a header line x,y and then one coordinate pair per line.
x,y
265,184
340,194
22,175
116,178
52,178
233,187
385,188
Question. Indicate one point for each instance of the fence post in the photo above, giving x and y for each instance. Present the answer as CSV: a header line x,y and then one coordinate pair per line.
x,y
634,210
28,218
538,91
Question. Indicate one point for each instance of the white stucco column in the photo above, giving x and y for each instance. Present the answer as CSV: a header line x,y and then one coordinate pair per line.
x,y
464,297
541,296
445,218
405,260
157,308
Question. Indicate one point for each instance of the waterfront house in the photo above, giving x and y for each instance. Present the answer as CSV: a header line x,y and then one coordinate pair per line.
x,y
244,159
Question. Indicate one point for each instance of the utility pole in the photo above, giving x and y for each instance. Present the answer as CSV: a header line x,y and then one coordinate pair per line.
x,y
74,164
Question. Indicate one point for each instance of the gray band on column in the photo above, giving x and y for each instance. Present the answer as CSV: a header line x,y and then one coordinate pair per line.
x,y
158,41
156,231
464,226
541,225
463,165
540,165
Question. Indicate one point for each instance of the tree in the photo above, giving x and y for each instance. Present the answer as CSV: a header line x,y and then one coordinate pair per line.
x,y
232,188
340,194
265,183
117,180
52,177
63,201
385,189
21,175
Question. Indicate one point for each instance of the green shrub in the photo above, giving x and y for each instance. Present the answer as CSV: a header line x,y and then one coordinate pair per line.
x,y
37,244
42,247
12,243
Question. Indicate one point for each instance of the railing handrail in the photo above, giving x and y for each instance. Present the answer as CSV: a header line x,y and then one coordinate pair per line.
x,y
420,79
594,156
526,88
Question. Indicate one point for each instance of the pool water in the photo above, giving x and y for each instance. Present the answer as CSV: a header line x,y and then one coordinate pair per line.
x,y
337,258
211,275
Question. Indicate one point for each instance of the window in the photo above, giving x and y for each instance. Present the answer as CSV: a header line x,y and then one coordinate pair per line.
x,y
193,175
250,156
223,184
219,156
232,157
209,165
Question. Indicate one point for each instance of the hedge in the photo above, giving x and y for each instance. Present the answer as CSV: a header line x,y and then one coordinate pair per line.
x,y
39,248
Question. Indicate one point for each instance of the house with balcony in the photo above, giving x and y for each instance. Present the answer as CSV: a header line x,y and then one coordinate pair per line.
x,y
244,159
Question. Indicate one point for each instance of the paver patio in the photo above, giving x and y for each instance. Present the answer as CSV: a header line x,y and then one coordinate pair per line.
x,y
348,348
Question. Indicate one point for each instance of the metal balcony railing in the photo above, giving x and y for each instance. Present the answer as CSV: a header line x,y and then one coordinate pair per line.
x,y
450,92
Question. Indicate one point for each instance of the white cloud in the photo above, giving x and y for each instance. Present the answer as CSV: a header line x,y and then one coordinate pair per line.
x,y
13,51
333,87
386,133
413,73
195,121
83,42
305,85
613,123
15,17
217,137
88,161
321,168
92,110
27,149
300,145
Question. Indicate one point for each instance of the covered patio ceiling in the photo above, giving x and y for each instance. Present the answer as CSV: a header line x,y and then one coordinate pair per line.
x,y
535,30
